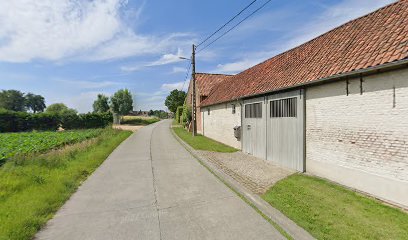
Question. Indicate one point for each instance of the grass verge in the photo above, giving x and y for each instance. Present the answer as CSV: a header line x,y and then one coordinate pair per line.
x,y
33,189
330,211
200,142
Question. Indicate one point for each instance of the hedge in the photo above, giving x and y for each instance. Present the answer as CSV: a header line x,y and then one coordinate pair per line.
x,y
186,115
179,111
11,121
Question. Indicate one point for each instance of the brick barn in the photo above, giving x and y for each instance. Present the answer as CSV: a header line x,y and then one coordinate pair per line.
x,y
335,107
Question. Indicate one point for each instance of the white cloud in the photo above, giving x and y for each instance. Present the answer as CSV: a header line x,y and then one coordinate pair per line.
x,y
167,59
179,70
235,67
155,100
74,29
171,86
83,102
89,84
332,17
132,68
250,60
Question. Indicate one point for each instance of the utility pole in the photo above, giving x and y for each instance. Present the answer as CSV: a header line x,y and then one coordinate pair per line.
x,y
194,111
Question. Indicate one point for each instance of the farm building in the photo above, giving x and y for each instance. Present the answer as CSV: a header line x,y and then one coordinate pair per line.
x,y
205,82
335,107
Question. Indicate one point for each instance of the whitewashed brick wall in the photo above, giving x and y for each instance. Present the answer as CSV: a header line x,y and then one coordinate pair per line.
x,y
220,123
363,132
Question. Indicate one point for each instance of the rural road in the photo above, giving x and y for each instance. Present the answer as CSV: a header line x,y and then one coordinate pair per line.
x,y
152,188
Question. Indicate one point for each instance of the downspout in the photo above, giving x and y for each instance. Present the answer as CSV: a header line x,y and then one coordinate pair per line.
x,y
202,119
241,105
266,126
304,129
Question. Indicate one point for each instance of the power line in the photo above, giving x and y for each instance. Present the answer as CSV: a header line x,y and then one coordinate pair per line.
x,y
236,25
226,23
187,74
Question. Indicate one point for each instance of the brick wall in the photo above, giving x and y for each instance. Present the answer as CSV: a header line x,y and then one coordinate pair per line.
x,y
367,133
220,123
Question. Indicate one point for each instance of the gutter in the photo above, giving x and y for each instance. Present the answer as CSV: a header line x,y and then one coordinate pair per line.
x,y
362,72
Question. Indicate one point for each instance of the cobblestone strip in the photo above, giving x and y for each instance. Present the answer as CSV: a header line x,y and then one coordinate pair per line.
x,y
255,174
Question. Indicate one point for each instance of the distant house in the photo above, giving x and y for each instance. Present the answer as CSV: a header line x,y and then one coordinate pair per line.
x,y
336,106
205,83
139,113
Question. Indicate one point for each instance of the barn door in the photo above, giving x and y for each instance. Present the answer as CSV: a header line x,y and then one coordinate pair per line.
x,y
253,127
285,129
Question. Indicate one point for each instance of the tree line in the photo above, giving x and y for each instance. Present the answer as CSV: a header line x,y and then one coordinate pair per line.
x,y
13,100
17,101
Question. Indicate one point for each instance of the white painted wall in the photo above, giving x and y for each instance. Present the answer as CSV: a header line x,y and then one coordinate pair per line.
x,y
220,123
361,140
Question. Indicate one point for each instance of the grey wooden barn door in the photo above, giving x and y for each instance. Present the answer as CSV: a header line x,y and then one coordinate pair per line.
x,y
285,129
253,127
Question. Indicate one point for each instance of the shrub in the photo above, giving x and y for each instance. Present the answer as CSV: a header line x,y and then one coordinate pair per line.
x,y
43,121
87,120
96,120
179,111
70,121
11,121
186,115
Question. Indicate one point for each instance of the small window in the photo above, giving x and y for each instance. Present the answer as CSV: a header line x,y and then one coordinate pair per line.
x,y
253,110
208,111
283,108
233,108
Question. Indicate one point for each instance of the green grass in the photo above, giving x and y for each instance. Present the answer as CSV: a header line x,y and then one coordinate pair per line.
x,y
200,142
12,144
139,121
330,211
33,189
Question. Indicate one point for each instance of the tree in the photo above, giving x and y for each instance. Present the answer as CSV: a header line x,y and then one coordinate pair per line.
x,y
122,102
12,100
35,103
101,104
60,109
175,99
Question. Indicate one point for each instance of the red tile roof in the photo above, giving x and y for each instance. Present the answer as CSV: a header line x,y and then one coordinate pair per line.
x,y
374,39
205,83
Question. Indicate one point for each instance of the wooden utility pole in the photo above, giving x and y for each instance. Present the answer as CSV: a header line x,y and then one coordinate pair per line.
x,y
194,110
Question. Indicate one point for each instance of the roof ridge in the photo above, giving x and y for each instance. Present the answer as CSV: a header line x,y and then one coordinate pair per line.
x,y
319,36
215,74
342,49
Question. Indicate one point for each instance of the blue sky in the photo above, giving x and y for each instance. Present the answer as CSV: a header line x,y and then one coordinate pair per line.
x,y
71,50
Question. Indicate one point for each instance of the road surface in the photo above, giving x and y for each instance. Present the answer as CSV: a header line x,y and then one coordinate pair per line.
x,y
152,188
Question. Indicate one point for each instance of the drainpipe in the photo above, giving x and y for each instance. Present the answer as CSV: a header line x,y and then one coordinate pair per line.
x,y
304,129
241,105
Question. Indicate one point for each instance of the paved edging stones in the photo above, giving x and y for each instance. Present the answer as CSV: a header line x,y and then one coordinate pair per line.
x,y
290,227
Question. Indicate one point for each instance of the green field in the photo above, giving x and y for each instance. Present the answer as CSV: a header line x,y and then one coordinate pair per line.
x,y
34,187
200,142
12,144
330,211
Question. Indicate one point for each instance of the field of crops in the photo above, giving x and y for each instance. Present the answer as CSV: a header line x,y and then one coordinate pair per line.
x,y
12,144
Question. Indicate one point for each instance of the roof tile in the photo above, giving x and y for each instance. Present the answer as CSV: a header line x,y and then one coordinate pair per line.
x,y
377,38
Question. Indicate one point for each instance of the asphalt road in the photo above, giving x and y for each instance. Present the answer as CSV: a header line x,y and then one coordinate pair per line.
x,y
152,188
